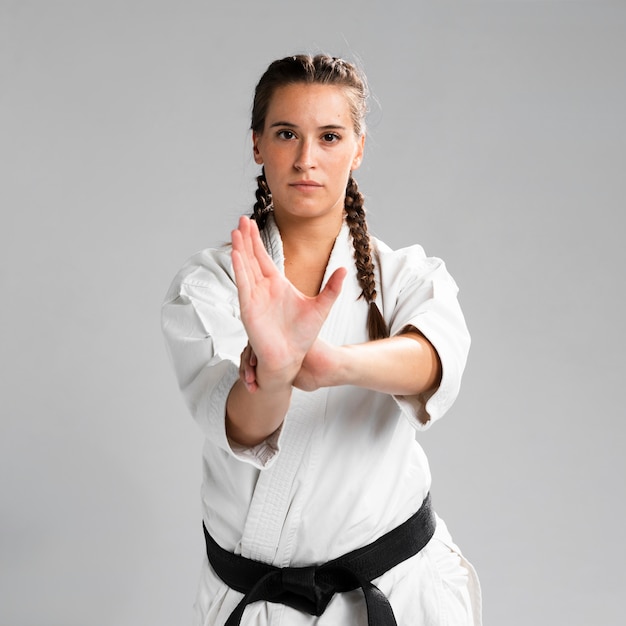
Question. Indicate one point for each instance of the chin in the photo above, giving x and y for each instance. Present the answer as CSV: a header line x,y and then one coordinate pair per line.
x,y
310,213
310,210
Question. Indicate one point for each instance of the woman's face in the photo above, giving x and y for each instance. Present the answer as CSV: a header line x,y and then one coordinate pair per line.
x,y
308,148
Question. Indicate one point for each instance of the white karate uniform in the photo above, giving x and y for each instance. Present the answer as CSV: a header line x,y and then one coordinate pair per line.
x,y
345,466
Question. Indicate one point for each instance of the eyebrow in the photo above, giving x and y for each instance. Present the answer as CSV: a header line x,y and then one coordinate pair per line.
x,y
327,127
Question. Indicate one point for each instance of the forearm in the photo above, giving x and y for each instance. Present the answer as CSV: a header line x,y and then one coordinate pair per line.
x,y
251,417
406,364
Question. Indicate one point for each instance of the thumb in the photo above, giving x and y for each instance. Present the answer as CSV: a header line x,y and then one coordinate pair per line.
x,y
332,288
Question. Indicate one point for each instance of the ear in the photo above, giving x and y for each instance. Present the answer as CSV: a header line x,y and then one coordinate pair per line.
x,y
358,157
258,159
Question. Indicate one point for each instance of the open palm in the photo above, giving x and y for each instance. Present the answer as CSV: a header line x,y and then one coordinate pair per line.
x,y
280,321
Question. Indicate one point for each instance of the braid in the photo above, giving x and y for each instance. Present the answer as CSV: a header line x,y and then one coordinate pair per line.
x,y
355,218
263,204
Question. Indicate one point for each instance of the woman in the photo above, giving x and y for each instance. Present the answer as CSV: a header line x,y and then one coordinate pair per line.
x,y
310,353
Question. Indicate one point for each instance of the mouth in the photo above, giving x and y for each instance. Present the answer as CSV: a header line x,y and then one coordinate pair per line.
x,y
305,185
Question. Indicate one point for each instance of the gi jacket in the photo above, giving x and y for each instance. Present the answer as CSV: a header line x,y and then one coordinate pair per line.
x,y
345,466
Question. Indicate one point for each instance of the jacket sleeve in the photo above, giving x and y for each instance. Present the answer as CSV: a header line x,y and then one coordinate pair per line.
x,y
204,336
425,297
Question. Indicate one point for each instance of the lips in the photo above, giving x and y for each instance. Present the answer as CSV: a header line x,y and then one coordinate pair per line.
x,y
305,184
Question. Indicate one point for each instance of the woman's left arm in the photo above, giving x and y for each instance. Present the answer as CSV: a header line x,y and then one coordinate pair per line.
x,y
406,364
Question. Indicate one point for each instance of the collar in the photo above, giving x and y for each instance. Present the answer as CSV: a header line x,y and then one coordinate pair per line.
x,y
342,254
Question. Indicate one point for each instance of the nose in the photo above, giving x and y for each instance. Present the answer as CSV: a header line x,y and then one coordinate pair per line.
x,y
305,158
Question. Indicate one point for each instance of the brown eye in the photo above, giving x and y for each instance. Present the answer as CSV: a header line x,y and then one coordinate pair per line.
x,y
286,134
331,137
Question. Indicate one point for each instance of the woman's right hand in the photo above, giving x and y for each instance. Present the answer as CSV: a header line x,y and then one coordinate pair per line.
x,y
280,321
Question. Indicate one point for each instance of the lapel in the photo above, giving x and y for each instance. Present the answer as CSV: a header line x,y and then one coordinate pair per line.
x,y
277,502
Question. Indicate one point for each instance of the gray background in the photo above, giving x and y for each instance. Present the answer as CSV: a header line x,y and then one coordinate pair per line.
x,y
497,140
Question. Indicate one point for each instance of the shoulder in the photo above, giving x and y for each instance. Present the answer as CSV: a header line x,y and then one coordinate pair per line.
x,y
208,270
405,265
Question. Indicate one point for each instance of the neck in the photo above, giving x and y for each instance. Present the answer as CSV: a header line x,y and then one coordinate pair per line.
x,y
307,247
308,237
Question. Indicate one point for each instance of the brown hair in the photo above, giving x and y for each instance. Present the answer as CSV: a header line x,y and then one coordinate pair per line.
x,y
325,70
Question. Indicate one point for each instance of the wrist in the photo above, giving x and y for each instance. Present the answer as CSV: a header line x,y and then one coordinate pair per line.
x,y
335,367
347,372
276,380
251,417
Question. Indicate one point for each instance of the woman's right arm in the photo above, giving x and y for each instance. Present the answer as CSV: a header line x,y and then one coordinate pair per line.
x,y
253,417
254,413
281,324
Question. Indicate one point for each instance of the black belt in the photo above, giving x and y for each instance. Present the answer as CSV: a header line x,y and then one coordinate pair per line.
x,y
310,589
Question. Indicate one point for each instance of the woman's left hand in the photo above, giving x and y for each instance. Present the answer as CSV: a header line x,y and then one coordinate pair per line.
x,y
315,372
319,368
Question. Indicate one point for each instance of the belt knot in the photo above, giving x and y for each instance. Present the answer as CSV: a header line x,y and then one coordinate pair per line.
x,y
311,594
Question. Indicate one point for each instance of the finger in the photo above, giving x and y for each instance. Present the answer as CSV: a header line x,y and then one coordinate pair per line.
x,y
332,289
244,229
264,260
260,263
243,245
239,245
242,278
250,379
241,366
247,373
252,382
249,232
248,369
241,242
